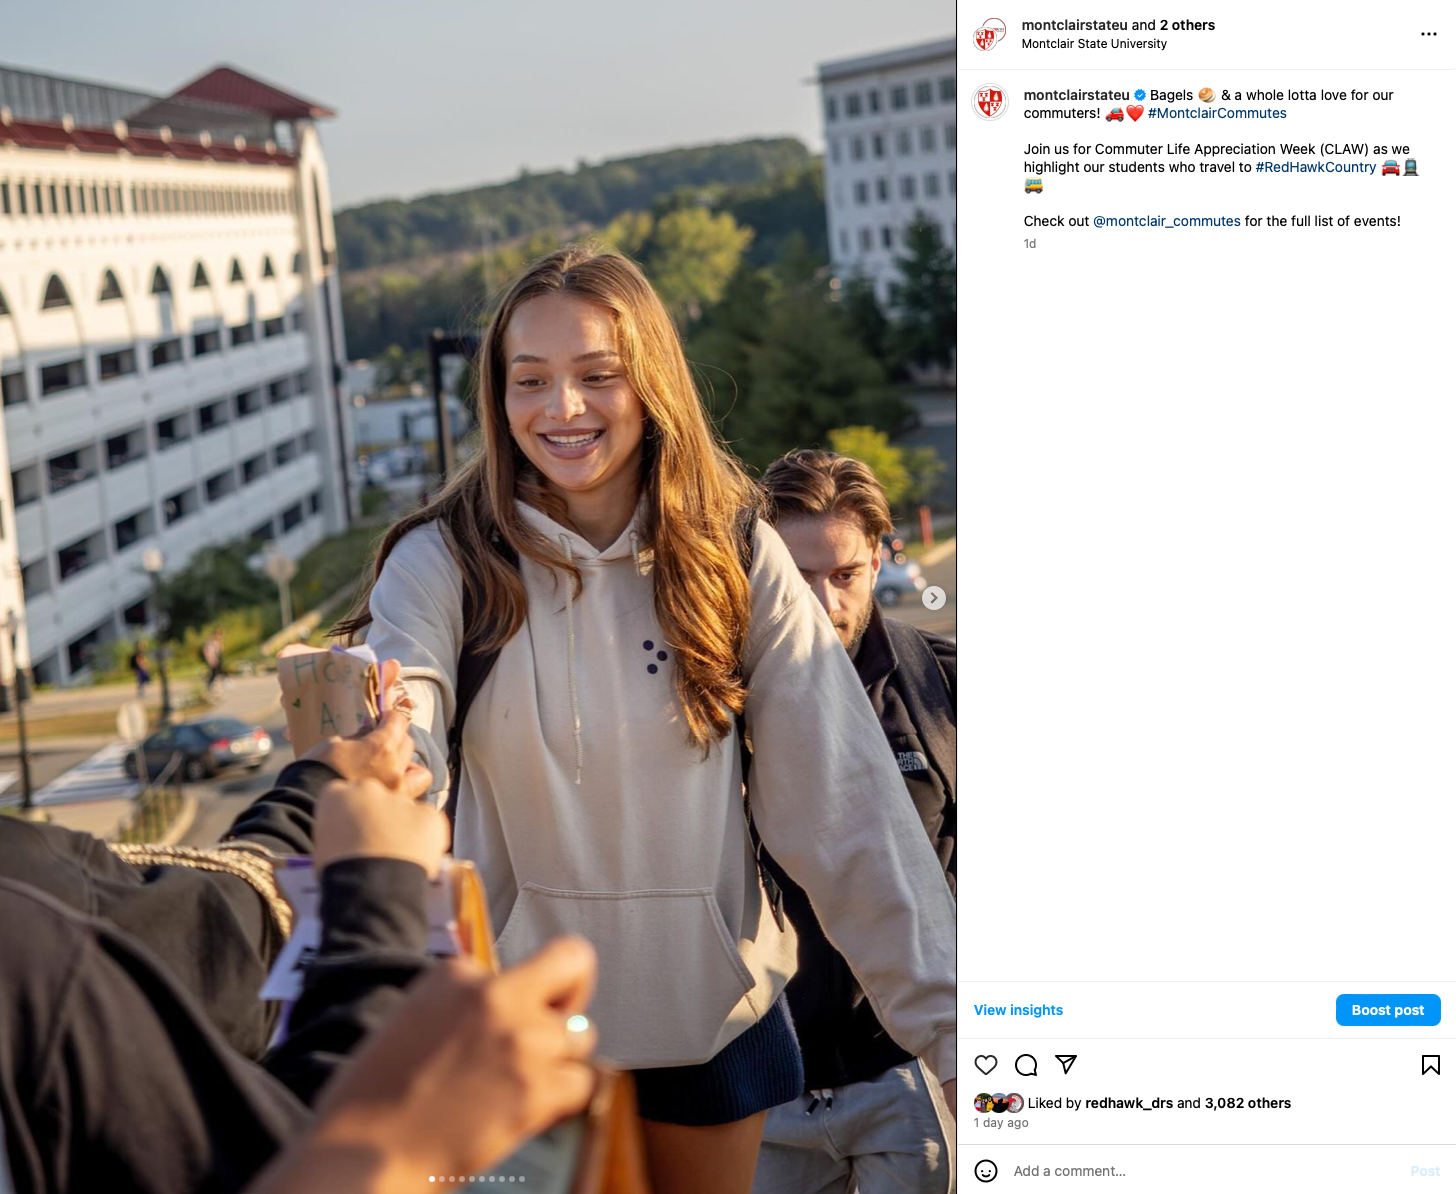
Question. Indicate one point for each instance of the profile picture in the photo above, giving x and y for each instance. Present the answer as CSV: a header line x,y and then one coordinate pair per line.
x,y
982,1103
1000,1102
1014,1103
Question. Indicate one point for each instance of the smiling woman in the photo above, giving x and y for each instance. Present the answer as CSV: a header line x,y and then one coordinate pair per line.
x,y
597,549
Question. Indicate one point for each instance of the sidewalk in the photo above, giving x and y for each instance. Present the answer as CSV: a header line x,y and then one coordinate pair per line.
x,y
97,797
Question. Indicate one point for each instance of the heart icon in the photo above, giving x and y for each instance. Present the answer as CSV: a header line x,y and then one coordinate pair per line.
x,y
1135,110
986,1063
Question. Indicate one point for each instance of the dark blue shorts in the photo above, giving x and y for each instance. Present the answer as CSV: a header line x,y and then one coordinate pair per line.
x,y
758,1069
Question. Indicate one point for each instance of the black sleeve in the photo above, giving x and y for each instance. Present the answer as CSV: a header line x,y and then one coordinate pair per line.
x,y
111,1075
374,935
944,650
281,820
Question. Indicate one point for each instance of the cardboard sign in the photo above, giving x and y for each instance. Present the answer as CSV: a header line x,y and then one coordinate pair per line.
x,y
335,692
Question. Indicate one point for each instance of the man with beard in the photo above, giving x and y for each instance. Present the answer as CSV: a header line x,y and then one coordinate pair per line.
x,y
871,1116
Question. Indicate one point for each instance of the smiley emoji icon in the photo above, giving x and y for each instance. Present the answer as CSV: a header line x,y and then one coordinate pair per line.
x,y
985,1171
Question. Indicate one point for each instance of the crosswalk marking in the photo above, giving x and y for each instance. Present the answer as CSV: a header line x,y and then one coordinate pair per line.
x,y
98,778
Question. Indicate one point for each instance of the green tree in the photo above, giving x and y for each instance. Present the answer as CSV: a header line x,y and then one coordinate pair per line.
x,y
924,299
217,579
924,468
873,448
868,324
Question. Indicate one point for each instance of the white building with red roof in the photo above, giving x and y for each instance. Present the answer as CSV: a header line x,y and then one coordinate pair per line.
x,y
170,345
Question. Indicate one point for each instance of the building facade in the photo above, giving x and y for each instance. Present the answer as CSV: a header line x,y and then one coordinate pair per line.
x,y
170,345
889,154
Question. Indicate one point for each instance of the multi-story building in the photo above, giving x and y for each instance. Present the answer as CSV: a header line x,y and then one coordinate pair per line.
x,y
889,154
170,344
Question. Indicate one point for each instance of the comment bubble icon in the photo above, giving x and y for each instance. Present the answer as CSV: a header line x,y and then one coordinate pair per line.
x,y
1026,1065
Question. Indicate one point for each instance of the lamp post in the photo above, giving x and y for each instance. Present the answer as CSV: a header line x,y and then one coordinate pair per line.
x,y
152,564
12,625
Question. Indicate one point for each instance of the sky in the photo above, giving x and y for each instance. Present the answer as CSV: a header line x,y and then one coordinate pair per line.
x,y
438,95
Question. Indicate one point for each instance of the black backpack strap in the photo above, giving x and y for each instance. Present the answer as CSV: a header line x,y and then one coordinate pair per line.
x,y
471,671
927,693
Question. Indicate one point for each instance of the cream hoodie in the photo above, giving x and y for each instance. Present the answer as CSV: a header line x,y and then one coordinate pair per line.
x,y
588,811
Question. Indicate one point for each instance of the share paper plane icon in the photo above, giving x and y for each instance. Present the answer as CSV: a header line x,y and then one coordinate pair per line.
x,y
1066,1059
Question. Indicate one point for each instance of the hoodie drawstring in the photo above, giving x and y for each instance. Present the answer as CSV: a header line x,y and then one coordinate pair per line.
x,y
571,657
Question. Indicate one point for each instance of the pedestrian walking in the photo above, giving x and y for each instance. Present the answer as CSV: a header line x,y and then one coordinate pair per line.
x,y
600,561
140,669
212,656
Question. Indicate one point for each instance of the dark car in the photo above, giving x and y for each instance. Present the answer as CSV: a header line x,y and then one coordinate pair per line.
x,y
203,748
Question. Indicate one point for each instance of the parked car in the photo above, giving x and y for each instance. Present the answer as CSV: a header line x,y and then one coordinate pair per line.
x,y
897,579
1391,167
1115,114
206,747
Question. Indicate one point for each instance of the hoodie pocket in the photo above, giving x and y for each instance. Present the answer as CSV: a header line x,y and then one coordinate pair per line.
x,y
668,970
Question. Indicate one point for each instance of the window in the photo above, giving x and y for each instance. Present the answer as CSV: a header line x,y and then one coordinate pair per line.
x,y
35,579
206,342
12,387
950,178
866,238
219,485
927,139
261,533
280,390
831,108
25,485
877,144
950,136
872,98
851,104
887,237
300,382
315,502
160,284
932,185
284,452
947,89
268,268
128,530
20,197
295,319
56,379
856,149
235,271
55,208
125,448
179,506
292,516
902,142
55,294
212,416
39,198
66,470
882,189
110,288
298,263
923,94
110,365
166,352
310,440
78,557
249,402
4,197
834,150
899,97
242,334
253,468
199,277
272,327
4,310
907,187
861,193
171,432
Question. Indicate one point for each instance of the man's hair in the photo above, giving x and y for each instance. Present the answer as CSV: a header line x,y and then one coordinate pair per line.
x,y
812,483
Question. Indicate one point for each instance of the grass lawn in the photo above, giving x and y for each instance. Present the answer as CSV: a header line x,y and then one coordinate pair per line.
x,y
915,549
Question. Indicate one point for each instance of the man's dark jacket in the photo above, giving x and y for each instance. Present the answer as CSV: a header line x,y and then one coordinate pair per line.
x,y
841,1039
128,998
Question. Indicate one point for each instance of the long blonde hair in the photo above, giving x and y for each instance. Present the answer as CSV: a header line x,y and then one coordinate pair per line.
x,y
694,490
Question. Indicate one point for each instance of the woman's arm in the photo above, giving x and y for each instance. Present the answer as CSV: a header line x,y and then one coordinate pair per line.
x,y
831,806
415,607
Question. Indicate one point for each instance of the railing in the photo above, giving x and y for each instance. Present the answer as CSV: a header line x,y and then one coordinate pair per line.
x,y
157,804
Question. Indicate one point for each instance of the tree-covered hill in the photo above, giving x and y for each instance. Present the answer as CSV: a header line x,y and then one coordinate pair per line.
x,y
397,230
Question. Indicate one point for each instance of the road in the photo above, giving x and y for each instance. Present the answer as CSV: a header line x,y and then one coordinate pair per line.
x,y
942,620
